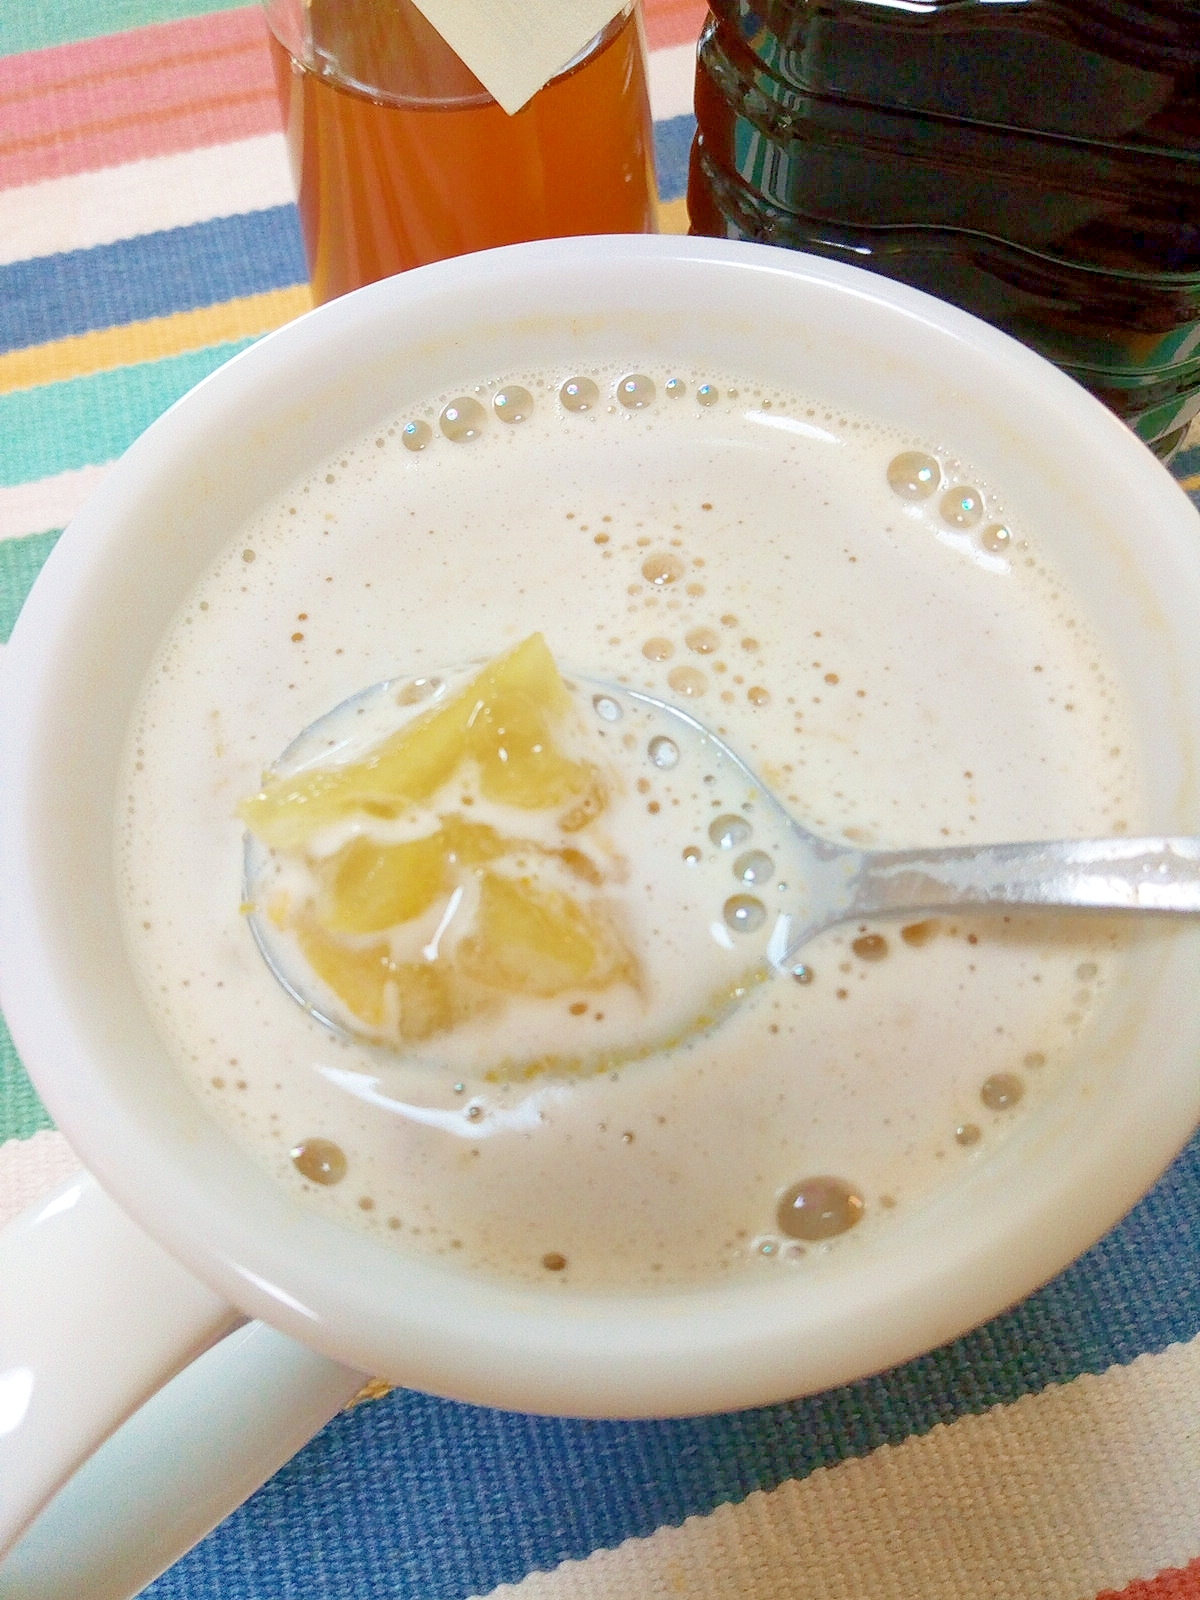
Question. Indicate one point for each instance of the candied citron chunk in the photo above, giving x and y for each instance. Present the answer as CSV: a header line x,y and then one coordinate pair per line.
x,y
527,940
357,974
366,887
416,935
533,940
502,721
511,738
408,1001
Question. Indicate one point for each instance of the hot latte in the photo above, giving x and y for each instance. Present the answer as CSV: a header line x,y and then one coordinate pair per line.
x,y
869,624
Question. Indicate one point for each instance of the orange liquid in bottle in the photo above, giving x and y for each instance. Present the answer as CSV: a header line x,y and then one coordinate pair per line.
x,y
433,167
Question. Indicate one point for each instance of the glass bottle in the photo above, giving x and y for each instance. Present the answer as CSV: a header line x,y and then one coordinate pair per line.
x,y
1035,161
402,157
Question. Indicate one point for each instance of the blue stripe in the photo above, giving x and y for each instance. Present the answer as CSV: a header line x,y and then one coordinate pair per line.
x,y
153,275
672,145
1187,465
410,1498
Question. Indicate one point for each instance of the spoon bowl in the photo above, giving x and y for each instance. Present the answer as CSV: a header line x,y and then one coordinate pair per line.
x,y
767,885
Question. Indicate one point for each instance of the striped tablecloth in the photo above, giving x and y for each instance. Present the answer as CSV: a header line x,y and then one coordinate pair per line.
x,y
147,232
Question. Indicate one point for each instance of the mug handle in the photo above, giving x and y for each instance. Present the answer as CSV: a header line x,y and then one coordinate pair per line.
x,y
96,1320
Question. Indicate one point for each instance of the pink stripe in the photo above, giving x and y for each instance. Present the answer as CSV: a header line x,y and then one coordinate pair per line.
x,y
202,81
151,91
671,22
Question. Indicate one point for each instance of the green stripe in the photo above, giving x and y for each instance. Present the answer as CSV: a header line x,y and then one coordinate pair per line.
x,y
21,1112
20,562
84,422
34,24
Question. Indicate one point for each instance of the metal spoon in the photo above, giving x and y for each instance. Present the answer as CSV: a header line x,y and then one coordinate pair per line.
x,y
829,883
794,884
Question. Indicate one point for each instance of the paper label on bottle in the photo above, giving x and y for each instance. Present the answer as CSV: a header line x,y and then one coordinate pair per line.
x,y
514,47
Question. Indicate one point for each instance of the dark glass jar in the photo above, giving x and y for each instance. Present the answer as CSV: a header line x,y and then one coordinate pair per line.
x,y
1034,161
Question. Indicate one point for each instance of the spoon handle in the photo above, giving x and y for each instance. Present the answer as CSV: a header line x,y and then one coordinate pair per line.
x,y
1103,874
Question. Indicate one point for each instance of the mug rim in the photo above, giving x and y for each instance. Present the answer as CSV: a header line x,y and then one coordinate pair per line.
x,y
673,1352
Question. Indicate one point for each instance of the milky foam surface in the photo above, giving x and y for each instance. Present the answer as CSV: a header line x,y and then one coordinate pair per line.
x,y
897,669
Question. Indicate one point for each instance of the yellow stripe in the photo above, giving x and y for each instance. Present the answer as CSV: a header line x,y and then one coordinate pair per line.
x,y
672,216
1190,483
151,340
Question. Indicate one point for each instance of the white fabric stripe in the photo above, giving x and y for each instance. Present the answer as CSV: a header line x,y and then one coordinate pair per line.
x,y
46,502
1062,1494
672,77
92,208
29,1168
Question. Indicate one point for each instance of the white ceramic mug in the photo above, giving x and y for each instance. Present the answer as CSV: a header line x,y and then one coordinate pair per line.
x,y
99,1311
